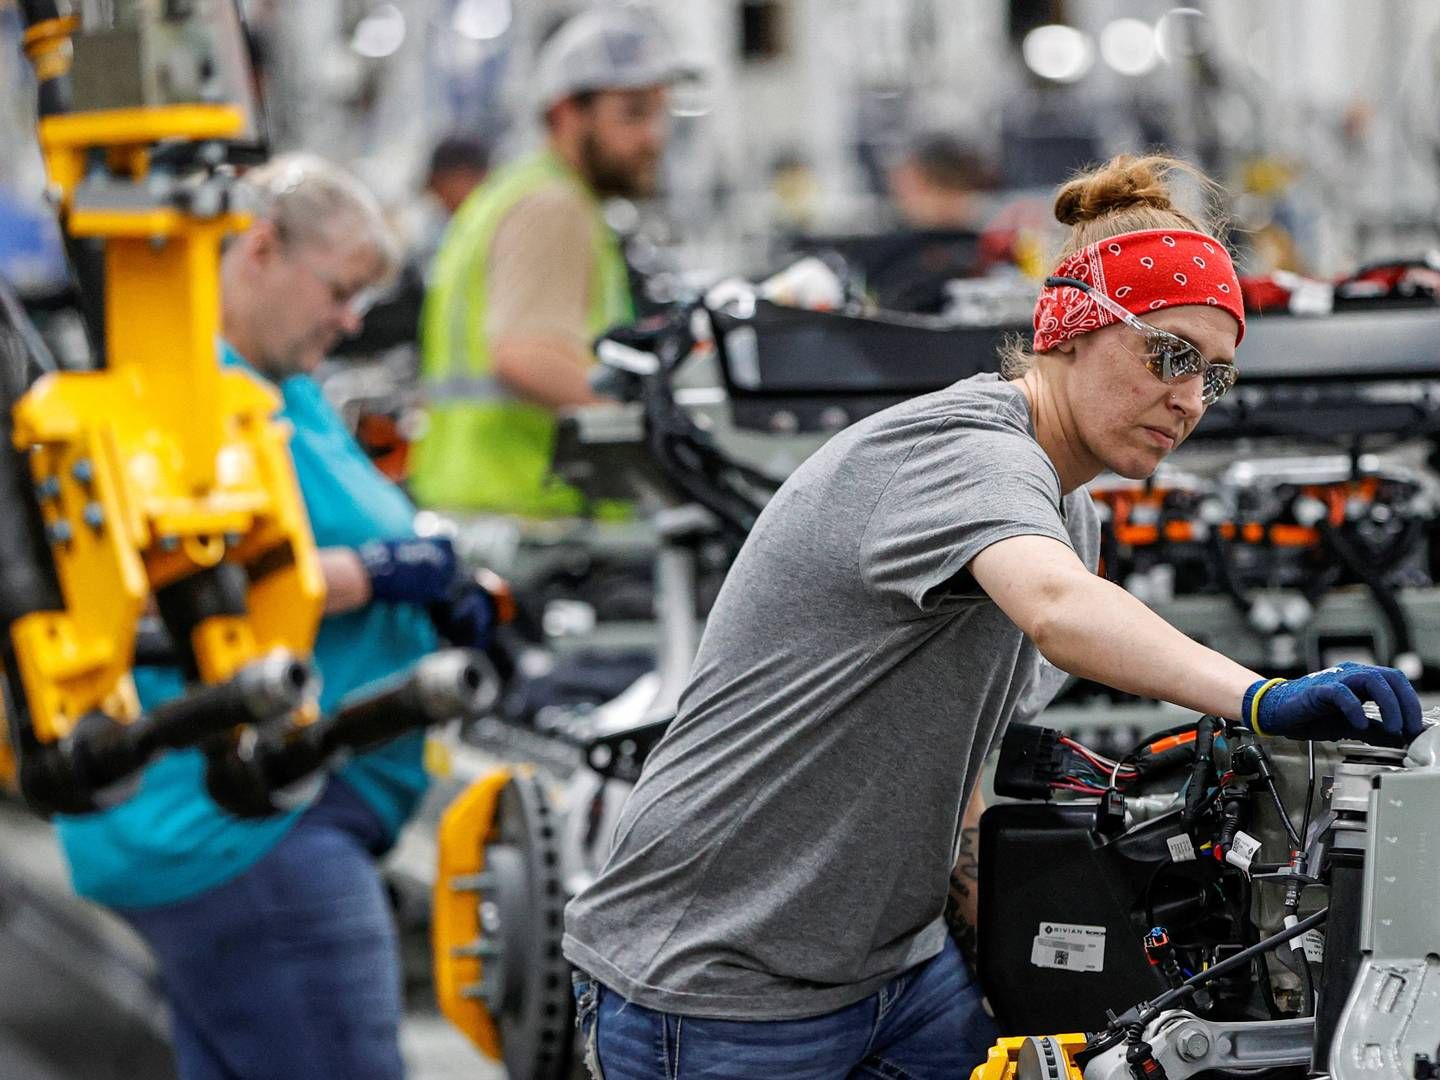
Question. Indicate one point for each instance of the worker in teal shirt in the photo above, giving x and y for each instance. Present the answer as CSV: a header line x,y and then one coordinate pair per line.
x,y
273,936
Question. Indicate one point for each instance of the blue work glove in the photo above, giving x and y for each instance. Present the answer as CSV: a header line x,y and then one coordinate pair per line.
x,y
1327,705
414,571
467,617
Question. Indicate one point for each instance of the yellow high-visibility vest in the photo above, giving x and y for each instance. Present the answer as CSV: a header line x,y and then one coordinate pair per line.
x,y
484,449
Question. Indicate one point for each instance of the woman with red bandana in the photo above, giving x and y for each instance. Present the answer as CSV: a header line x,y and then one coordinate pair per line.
x,y
774,904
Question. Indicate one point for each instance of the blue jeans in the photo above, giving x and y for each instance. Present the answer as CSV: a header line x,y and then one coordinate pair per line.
x,y
292,969
926,1024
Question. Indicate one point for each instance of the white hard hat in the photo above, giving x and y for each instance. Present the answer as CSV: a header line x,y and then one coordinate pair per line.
x,y
607,48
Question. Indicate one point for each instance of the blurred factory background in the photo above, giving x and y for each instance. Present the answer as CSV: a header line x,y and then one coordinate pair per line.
x,y
1320,116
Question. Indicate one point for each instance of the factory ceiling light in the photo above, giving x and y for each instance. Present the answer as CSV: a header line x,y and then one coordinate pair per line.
x,y
1057,52
481,20
1129,46
379,33
1183,32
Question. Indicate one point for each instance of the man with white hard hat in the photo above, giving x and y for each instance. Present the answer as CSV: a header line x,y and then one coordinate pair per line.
x,y
529,273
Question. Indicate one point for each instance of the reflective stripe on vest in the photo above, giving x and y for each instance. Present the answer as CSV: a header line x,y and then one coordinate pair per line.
x,y
457,389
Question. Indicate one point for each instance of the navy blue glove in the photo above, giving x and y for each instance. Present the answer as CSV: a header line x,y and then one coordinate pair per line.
x,y
466,617
1327,705
414,571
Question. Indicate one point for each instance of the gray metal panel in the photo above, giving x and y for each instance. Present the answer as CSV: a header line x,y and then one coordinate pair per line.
x,y
1359,344
1394,1008
107,73
1402,917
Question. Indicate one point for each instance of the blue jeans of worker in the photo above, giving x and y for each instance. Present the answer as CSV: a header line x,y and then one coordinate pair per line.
x,y
926,1024
292,969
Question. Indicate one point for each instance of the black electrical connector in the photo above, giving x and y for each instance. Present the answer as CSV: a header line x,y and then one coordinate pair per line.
x,y
1031,757
1110,813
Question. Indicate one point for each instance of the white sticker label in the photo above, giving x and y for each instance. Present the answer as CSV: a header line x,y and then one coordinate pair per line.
x,y
1242,850
1181,849
1069,947
1314,942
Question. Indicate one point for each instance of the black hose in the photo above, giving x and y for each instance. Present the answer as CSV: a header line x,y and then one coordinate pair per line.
x,y
1239,960
1343,549
1307,984
1309,794
1202,770
1224,574
1267,777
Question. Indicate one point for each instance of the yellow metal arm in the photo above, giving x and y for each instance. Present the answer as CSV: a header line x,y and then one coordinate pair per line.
x,y
162,474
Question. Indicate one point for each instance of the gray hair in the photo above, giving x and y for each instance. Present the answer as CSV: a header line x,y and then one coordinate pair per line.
x,y
310,200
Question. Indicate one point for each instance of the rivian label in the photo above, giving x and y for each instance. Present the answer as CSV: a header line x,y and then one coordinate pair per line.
x,y
1069,947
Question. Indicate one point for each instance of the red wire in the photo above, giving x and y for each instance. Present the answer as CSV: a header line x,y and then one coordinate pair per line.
x,y
1085,789
1096,760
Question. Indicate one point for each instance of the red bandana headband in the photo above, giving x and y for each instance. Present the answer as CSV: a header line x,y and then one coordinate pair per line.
x,y
1142,272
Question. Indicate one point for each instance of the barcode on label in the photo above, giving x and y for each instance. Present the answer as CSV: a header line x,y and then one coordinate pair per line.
x,y
1242,849
1069,947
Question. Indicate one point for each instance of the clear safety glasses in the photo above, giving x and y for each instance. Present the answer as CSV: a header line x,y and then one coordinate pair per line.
x,y
1171,359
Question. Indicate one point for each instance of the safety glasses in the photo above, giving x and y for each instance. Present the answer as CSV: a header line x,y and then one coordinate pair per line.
x,y
1171,359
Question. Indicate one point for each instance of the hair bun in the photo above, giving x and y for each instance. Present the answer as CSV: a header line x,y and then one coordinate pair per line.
x,y
1123,183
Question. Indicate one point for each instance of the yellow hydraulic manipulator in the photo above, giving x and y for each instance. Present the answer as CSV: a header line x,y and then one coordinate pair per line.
x,y
159,475
163,478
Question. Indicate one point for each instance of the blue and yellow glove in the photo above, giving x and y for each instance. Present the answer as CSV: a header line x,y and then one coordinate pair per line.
x,y
1328,705
413,571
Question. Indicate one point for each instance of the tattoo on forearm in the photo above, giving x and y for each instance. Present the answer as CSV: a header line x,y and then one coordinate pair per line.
x,y
967,866
960,907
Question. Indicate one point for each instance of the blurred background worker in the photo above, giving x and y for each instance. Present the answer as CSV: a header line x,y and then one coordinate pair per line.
x,y
274,939
529,273
458,164
939,183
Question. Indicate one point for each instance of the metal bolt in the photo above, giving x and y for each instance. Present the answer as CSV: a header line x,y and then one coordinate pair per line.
x,y
169,543
1193,1045
48,488
83,471
59,532
94,515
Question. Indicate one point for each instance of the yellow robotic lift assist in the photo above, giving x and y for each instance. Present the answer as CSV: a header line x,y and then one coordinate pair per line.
x,y
161,473
161,476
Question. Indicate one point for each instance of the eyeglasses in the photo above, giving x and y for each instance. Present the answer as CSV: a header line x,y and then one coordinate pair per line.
x,y
357,299
1169,358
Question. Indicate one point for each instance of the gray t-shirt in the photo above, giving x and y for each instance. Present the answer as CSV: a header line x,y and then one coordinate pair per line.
x,y
787,850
